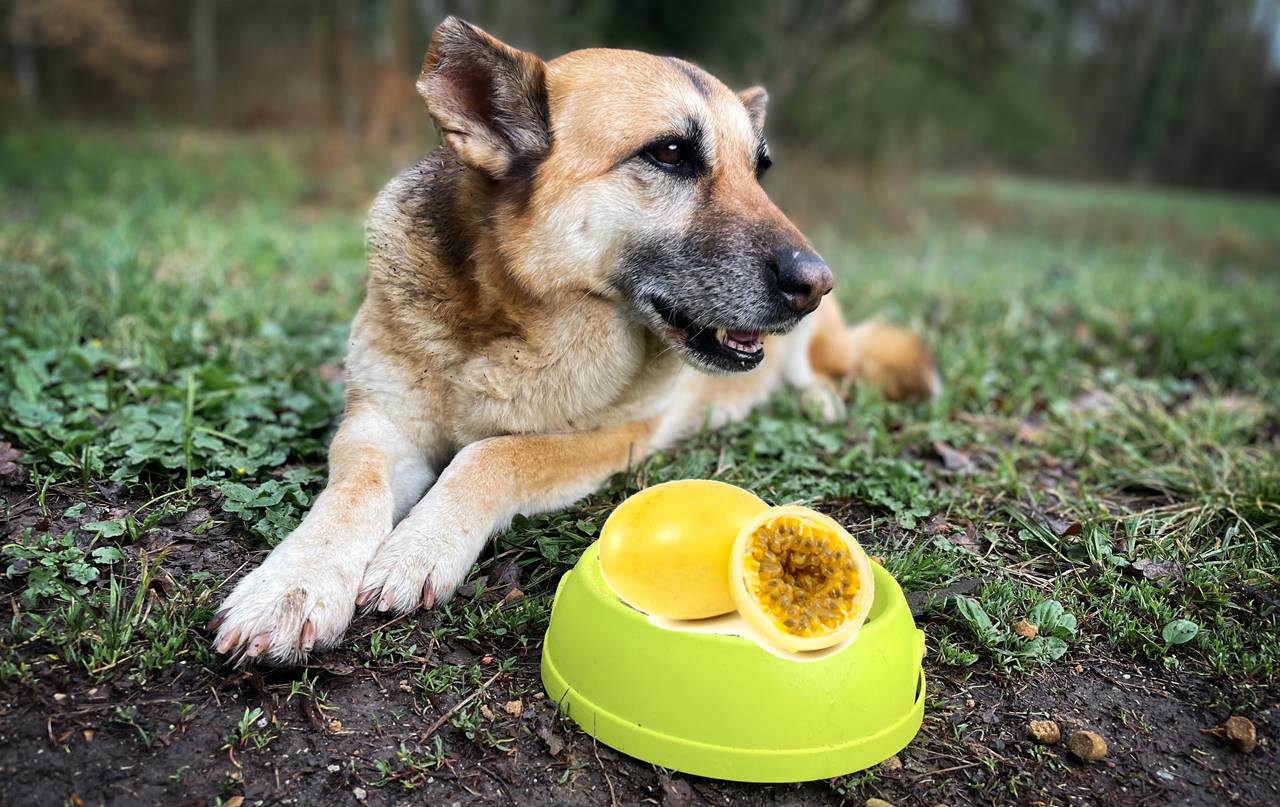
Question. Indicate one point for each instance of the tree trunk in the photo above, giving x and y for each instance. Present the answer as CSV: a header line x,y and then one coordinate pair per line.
x,y
204,58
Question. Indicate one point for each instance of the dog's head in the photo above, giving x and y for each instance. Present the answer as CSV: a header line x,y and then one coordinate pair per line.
x,y
632,177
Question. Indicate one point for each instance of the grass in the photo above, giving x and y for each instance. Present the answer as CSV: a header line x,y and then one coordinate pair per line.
x,y
1105,459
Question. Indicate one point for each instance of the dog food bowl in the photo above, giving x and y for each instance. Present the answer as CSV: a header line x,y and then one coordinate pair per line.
x,y
721,706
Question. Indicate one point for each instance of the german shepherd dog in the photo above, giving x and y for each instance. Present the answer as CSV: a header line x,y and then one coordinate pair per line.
x,y
586,270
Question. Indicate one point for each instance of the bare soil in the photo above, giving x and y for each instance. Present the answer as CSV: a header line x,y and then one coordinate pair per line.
x,y
62,739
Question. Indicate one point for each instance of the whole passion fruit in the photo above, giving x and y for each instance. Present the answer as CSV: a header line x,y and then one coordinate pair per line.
x,y
799,579
665,550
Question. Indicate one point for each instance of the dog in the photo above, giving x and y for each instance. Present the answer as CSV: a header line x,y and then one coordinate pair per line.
x,y
586,270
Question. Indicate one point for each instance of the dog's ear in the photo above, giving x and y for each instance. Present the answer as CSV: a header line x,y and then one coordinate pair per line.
x,y
489,99
755,99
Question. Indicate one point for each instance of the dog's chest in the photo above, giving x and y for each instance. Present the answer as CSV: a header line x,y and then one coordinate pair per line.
x,y
576,369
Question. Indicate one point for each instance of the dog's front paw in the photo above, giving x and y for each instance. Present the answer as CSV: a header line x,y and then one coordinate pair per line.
x,y
301,598
422,562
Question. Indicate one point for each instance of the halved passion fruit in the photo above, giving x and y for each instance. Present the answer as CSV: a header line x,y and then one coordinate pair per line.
x,y
800,579
665,550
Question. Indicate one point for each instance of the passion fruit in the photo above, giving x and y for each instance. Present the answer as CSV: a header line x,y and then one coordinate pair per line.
x,y
799,579
665,550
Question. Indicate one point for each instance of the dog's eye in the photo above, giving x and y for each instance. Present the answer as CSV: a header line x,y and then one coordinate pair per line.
x,y
763,162
675,155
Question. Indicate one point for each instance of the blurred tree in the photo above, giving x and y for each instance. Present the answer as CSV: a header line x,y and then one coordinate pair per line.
x,y
1186,92
100,36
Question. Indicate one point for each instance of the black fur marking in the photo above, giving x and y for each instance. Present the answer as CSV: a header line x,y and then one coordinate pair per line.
x,y
430,204
695,75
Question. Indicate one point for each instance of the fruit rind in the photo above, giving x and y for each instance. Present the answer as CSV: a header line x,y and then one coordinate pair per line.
x,y
665,550
800,524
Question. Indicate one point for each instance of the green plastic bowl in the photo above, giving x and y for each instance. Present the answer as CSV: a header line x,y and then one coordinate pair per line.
x,y
721,706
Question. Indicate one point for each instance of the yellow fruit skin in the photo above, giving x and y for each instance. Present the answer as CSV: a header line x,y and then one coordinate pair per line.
x,y
760,622
665,550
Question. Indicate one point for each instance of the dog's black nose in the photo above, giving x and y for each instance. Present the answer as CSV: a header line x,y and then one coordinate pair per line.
x,y
803,278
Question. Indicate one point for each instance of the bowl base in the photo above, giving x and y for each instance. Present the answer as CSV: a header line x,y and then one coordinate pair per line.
x,y
733,764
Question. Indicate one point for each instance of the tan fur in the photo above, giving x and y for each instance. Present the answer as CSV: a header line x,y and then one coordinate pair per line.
x,y
514,378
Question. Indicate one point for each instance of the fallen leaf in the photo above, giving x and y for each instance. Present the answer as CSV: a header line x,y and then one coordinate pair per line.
x,y
1150,569
10,471
953,459
675,792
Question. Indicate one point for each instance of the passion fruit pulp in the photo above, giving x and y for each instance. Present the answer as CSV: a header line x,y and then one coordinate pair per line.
x,y
799,579
665,550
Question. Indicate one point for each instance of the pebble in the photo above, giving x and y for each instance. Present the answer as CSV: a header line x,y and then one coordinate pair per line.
x,y
1088,746
873,802
1240,732
360,793
1045,732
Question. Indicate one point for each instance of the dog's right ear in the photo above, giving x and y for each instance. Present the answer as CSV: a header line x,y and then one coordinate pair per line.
x,y
489,99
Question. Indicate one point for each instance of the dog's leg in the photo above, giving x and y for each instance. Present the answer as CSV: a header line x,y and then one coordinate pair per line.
x,y
893,359
303,596
487,483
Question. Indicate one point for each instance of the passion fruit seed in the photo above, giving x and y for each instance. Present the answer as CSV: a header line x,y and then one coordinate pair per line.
x,y
800,580
803,577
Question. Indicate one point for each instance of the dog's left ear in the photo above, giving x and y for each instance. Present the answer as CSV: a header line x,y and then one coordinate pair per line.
x,y
755,99
489,99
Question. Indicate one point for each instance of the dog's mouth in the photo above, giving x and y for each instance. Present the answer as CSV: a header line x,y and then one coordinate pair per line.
x,y
720,348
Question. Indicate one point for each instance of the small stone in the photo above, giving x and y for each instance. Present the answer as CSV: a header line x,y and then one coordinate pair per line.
x,y
360,793
514,708
405,687
333,768
1045,732
1025,629
1079,669
1088,746
892,764
873,802
60,697
1240,732
486,711
88,735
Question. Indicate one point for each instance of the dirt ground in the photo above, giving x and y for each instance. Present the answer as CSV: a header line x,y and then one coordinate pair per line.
x,y
65,739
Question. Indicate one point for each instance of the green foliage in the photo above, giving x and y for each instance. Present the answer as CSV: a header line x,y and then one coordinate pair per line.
x,y
175,316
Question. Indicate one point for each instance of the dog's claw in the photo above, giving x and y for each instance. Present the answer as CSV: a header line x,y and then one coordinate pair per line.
x,y
260,644
363,597
428,595
229,641
308,639
216,621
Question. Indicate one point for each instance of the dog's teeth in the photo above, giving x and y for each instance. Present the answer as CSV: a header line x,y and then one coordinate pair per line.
x,y
722,334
